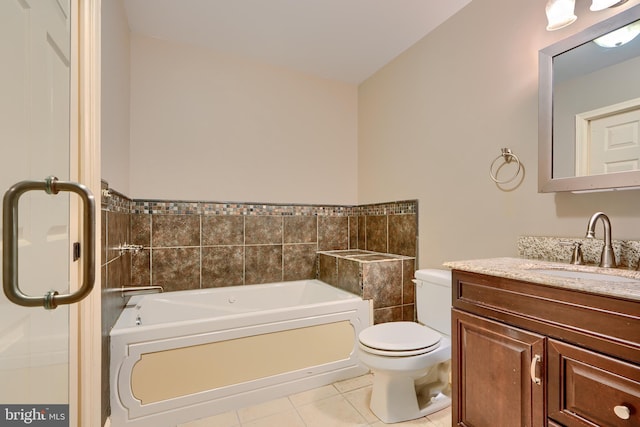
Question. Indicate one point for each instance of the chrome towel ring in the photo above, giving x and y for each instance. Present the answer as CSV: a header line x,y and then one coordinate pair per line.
x,y
508,157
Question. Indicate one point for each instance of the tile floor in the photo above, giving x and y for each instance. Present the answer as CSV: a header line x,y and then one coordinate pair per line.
x,y
342,404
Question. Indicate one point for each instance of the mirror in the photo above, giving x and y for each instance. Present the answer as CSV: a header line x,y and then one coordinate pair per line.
x,y
589,110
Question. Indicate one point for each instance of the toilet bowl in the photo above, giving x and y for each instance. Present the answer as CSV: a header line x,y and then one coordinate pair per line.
x,y
410,361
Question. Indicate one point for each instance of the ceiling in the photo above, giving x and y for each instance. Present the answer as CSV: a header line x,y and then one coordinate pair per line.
x,y
345,40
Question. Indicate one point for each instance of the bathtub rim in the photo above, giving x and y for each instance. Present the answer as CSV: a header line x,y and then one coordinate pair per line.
x,y
119,329
133,341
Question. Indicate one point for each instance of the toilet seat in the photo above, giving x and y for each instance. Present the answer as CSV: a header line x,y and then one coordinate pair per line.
x,y
399,339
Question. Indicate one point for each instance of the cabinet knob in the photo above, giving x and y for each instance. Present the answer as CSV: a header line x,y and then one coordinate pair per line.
x,y
622,412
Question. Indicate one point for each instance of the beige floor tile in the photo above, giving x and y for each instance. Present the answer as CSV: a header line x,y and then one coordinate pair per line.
x,y
314,395
281,419
334,411
360,399
228,419
441,418
420,422
354,383
264,409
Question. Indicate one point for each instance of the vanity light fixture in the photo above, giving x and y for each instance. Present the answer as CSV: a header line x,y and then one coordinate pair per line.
x,y
560,13
620,36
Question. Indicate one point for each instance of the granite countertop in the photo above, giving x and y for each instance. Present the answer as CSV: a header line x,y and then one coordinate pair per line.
x,y
521,269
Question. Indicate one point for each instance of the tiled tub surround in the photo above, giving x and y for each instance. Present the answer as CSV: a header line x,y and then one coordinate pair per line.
x,y
559,249
201,245
384,278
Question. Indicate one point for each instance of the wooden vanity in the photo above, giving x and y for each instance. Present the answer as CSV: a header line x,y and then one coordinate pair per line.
x,y
538,354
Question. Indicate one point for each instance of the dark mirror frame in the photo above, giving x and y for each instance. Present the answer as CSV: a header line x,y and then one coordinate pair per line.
x,y
546,182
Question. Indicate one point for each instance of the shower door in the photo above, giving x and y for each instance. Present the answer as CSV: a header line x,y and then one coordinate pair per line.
x,y
39,138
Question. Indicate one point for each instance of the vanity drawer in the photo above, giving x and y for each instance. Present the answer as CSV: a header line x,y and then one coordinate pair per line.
x,y
587,388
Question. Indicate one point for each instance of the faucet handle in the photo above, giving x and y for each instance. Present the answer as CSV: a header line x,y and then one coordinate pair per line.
x,y
576,256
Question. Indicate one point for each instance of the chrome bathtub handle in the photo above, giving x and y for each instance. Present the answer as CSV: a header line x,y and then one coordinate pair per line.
x,y
10,285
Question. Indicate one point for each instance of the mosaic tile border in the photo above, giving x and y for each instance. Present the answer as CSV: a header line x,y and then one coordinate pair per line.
x,y
164,207
115,201
389,208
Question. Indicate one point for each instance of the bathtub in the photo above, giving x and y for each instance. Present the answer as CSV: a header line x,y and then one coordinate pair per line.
x,y
181,356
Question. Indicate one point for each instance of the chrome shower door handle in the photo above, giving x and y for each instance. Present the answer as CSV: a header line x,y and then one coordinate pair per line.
x,y
10,284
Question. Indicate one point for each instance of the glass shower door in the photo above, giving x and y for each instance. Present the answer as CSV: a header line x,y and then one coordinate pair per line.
x,y
35,46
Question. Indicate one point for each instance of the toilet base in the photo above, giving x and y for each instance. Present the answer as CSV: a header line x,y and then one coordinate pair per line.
x,y
396,398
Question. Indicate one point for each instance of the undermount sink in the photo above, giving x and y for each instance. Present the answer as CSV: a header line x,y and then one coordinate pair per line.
x,y
584,275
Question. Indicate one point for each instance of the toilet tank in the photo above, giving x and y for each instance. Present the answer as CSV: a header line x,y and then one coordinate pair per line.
x,y
433,299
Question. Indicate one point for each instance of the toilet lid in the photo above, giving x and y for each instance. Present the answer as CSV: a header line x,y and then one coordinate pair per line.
x,y
399,337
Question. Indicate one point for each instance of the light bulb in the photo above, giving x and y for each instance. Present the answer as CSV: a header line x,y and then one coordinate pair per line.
x,y
560,13
619,37
597,5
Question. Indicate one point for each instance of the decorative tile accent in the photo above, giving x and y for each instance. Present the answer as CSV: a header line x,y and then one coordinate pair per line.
x,y
231,208
389,208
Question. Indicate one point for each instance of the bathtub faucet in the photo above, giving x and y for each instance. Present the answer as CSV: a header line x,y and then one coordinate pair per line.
x,y
608,257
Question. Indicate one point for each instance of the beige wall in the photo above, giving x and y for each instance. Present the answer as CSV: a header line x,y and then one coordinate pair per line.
x,y
115,95
207,126
432,121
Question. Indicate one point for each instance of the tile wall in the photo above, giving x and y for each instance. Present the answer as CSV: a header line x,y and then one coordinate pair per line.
x,y
203,245
193,245
383,278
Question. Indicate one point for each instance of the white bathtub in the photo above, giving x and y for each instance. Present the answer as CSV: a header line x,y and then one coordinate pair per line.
x,y
185,355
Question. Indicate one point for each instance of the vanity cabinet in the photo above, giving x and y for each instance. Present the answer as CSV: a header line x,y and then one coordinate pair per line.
x,y
528,354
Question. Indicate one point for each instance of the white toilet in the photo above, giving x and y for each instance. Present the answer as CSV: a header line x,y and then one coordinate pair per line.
x,y
411,361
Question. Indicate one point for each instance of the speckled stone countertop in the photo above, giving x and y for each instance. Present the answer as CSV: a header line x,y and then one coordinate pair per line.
x,y
523,269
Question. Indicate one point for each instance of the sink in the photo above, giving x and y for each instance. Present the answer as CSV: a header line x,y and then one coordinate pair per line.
x,y
584,275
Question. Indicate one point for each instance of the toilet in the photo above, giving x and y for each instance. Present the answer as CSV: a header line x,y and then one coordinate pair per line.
x,y
411,361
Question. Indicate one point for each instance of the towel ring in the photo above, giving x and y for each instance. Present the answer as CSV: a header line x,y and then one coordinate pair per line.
x,y
508,157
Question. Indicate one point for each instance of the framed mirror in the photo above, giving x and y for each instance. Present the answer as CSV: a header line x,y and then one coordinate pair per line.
x,y
589,108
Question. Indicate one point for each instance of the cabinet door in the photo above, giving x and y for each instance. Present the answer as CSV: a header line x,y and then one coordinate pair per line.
x,y
495,371
587,388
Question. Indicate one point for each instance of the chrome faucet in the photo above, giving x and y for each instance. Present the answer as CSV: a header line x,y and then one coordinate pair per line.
x,y
608,257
